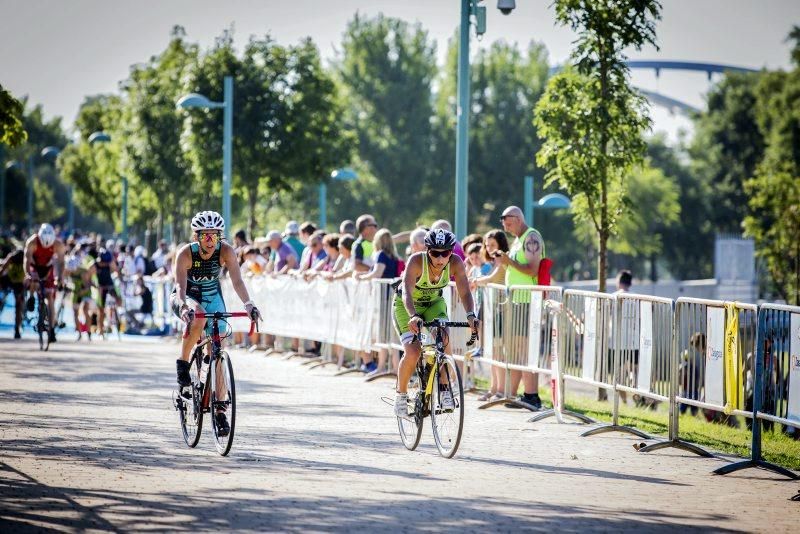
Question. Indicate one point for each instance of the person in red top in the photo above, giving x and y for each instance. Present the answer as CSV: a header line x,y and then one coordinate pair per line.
x,y
44,263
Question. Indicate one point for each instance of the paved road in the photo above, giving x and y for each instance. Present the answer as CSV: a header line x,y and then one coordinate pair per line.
x,y
90,441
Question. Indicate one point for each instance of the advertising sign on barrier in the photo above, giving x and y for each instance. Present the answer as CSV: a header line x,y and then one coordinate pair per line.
x,y
534,329
589,337
715,349
794,369
645,345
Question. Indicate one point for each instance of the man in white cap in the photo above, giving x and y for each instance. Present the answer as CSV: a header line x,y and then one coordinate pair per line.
x,y
291,236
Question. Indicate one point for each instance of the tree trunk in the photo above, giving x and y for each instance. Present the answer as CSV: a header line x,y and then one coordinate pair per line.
x,y
252,223
602,261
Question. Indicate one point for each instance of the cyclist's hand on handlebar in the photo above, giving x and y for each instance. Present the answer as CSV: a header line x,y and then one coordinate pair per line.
x,y
474,323
415,324
187,314
255,315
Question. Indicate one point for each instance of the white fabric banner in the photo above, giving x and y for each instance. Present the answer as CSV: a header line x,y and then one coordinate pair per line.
x,y
715,363
645,345
793,411
488,323
589,337
535,329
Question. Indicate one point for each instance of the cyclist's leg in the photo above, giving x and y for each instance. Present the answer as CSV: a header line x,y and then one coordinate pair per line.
x,y
411,348
438,310
215,303
50,293
19,302
101,309
195,329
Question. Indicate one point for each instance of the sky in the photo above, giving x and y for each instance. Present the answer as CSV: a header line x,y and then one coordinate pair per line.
x,y
59,51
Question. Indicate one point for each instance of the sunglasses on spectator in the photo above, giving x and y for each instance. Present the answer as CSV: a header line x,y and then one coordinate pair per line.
x,y
439,253
502,218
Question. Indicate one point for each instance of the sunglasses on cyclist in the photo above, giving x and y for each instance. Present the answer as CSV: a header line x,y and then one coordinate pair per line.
x,y
439,253
209,237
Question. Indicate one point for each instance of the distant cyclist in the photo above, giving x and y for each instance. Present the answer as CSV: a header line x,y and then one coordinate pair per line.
x,y
197,288
420,299
104,267
12,278
44,263
80,277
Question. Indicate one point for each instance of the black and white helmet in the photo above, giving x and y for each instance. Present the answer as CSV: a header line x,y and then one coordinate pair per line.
x,y
47,236
208,220
440,239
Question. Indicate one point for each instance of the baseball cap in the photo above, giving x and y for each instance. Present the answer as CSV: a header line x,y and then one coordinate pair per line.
x,y
274,234
292,228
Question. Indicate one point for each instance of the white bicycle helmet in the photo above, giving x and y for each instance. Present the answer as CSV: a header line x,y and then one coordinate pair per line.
x,y
208,220
47,236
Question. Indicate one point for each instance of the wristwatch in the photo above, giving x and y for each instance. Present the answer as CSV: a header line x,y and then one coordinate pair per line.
x,y
472,314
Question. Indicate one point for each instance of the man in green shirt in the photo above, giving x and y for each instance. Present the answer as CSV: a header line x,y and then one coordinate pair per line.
x,y
522,269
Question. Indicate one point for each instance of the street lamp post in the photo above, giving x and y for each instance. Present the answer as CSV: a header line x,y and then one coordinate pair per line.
x,y
195,100
469,8
102,137
551,201
343,174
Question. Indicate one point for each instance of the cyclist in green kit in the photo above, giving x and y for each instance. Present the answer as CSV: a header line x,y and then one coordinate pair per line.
x,y
419,299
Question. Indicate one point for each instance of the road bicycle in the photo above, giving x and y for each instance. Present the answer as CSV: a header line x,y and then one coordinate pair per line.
x,y
213,388
435,375
42,325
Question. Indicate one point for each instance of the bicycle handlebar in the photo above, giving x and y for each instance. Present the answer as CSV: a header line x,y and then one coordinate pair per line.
x,y
439,323
222,315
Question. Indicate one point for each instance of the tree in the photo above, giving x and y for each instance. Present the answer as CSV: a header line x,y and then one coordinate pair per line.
x,y
150,132
774,191
687,247
727,147
12,132
386,70
590,118
506,84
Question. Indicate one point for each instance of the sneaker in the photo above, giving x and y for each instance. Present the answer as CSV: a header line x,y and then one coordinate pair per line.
x,y
371,367
184,379
51,336
446,401
401,405
223,428
17,335
532,400
486,396
30,304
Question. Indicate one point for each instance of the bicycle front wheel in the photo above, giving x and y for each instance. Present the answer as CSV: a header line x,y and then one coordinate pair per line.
x,y
447,407
411,427
43,326
191,409
223,400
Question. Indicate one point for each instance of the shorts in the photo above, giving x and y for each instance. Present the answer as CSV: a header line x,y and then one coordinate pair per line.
x,y
435,309
79,295
211,302
45,273
103,293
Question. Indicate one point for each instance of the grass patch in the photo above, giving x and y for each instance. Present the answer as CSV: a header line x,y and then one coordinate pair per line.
x,y
776,446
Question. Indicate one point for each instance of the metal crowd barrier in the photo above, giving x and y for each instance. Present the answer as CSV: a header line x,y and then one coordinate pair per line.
x,y
522,324
641,354
712,342
775,382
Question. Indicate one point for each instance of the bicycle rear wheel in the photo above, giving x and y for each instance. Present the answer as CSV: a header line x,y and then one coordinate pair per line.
x,y
191,410
223,395
447,423
411,427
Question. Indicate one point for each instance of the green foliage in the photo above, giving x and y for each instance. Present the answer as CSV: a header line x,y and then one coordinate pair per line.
x,y
12,132
386,71
590,118
727,147
774,191
681,242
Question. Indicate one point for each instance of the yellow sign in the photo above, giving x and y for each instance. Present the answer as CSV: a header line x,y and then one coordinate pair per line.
x,y
733,371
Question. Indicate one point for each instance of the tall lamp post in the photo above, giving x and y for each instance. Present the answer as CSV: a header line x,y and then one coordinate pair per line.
x,y
51,153
102,137
469,8
551,201
343,174
195,100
